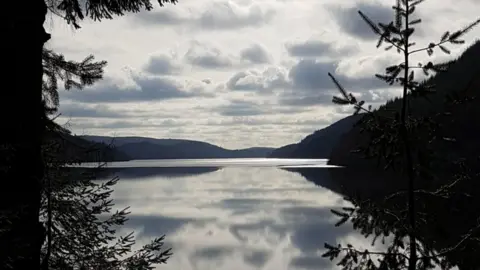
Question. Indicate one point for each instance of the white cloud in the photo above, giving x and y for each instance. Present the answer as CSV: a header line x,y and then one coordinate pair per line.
x,y
193,62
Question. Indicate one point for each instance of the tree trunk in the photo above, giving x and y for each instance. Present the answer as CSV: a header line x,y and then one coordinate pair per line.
x,y
21,168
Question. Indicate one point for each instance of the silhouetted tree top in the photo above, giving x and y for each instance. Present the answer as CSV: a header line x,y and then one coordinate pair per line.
x,y
74,11
72,73
410,144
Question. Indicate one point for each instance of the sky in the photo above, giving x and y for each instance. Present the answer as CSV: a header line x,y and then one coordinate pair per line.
x,y
238,73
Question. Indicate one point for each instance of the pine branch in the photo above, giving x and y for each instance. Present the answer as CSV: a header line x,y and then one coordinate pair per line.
x,y
455,247
370,23
398,15
429,47
86,72
339,87
73,12
437,193
457,34
378,253
386,139
447,37
377,31
399,220
416,3
72,73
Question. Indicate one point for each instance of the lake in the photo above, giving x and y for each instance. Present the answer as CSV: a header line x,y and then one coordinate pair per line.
x,y
232,213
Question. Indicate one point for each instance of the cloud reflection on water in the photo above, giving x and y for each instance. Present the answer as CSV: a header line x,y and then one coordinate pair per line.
x,y
235,218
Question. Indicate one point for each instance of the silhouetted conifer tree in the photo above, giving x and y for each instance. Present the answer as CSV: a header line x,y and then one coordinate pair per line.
x,y
75,209
81,231
402,141
21,233
73,74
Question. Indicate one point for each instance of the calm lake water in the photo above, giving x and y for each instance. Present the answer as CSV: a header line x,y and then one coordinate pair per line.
x,y
232,213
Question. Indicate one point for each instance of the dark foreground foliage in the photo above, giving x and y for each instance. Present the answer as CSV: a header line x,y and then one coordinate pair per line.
x,y
21,233
410,136
81,230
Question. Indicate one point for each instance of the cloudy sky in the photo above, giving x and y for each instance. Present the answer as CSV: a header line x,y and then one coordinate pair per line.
x,y
237,73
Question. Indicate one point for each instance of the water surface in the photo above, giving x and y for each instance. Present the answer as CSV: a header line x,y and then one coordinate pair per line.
x,y
224,162
232,214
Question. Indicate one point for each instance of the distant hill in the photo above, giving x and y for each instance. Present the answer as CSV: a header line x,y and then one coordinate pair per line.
x,y
318,144
284,151
462,79
151,148
74,149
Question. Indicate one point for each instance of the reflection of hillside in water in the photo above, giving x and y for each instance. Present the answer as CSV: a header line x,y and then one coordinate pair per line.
x,y
349,182
135,173
319,177
445,224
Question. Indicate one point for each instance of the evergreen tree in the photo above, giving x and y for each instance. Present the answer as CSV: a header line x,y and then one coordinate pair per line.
x,y
75,209
405,140
81,231
21,233
73,74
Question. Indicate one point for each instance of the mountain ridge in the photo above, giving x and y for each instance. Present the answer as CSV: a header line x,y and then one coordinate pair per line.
x,y
137,147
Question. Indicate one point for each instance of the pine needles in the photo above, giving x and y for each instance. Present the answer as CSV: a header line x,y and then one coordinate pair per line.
x,y
404,141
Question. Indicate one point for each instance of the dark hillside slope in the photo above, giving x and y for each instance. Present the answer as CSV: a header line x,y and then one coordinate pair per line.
x,y
76,149
119,141
151,148
453,218
284,151
461,78
321,142
318,144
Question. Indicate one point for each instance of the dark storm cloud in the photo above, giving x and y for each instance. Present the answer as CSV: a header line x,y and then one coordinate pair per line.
x,y
350,21
256,54
150,89
161,65
215,16
315,48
